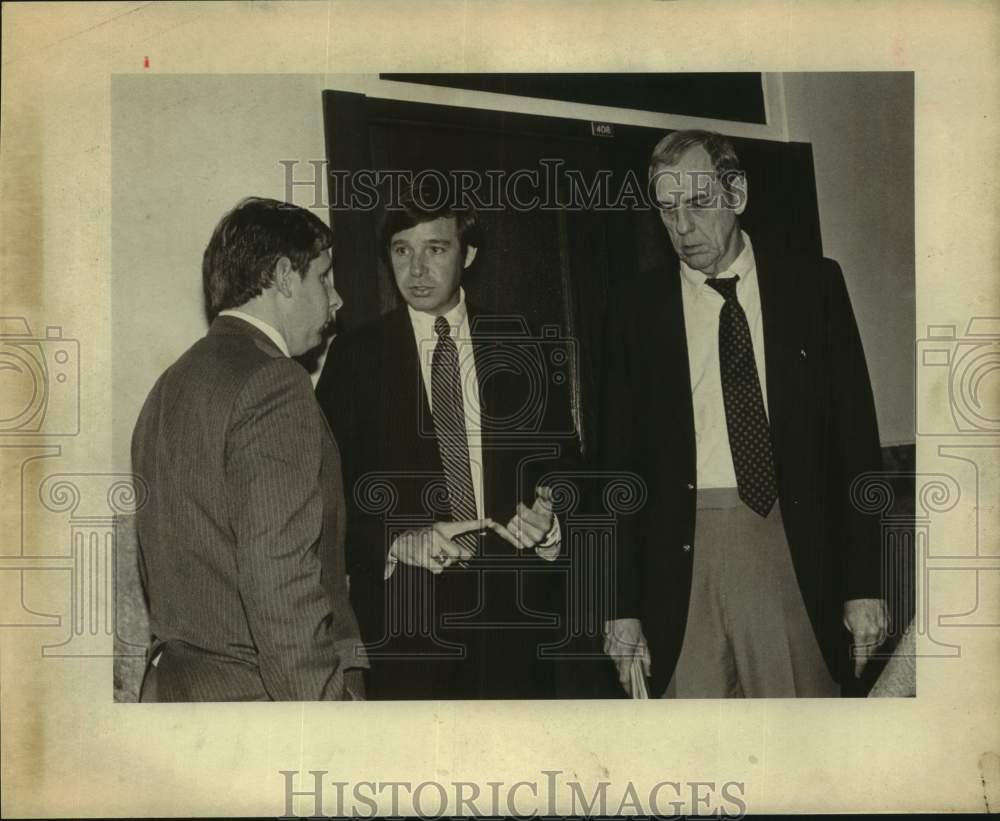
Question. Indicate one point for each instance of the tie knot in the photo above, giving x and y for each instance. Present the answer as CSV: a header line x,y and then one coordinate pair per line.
x,y
726,287
441,327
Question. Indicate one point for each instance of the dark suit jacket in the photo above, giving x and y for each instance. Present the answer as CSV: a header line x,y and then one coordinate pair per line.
x,y
243,528
823,428
394,481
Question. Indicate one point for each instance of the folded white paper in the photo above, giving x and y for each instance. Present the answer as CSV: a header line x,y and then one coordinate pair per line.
x,y
638,679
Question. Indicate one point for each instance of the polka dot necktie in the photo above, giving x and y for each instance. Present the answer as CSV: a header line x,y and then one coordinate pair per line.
x,y
449,427
746,421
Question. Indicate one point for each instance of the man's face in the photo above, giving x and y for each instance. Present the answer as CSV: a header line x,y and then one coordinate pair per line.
x,y
427,262
697,213
314,302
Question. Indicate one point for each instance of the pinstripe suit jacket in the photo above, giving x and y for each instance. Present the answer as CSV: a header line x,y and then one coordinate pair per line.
x,y
241,540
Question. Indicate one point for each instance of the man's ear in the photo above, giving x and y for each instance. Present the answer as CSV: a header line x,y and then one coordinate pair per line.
x,y
282,276
738,193
470,254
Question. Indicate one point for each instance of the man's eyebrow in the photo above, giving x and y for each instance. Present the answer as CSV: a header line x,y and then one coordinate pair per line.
x,y
671,198
675,198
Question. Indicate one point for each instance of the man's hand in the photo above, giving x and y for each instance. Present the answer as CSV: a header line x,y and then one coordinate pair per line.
x,y
354,685
867,619
530,525
623,642
432,547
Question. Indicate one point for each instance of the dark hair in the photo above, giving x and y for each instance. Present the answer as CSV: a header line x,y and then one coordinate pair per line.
x,y
429,199
718,147
247,243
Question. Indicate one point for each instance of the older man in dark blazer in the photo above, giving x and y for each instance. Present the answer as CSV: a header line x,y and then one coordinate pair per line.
x,y
444,428
736,387
241,540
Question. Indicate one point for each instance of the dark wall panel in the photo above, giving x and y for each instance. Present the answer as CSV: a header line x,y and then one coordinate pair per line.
x,y
720,96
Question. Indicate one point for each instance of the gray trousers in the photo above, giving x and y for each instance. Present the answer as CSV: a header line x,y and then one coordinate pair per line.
x,y
748,633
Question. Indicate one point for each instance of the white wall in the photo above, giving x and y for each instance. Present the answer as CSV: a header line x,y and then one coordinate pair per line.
x,y
861,130
186,148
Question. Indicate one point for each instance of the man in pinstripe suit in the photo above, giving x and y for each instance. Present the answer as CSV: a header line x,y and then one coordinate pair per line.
x,y
241,541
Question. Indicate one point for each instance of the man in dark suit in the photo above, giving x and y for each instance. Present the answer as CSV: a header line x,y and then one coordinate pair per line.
x,y
736,387
241,540
445,428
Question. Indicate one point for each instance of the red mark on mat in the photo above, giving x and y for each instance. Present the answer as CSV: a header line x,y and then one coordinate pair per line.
x,y
145,62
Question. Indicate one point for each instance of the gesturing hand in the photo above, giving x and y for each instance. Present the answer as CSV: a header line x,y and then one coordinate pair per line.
x,y
433,548
530,525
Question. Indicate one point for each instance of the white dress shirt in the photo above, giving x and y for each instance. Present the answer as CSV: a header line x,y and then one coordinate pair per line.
x,y
261,326
702,305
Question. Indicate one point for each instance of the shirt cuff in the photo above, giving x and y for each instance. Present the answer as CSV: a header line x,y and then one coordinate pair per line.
x,y
550,547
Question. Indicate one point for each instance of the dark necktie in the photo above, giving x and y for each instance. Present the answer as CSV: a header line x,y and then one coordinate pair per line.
x,y
449,427
746,421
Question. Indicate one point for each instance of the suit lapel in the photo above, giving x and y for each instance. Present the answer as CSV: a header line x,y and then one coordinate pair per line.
x,y
407,410
487,392
777,311
404,364
488,398
669,339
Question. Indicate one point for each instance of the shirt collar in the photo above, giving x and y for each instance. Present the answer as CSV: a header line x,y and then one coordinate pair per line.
x,y
269,331
423,323
743,266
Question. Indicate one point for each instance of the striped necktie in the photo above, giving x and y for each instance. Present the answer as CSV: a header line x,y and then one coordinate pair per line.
x,y
449,427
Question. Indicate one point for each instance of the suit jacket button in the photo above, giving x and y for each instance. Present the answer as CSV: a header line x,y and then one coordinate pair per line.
x,y
690,486
686,548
